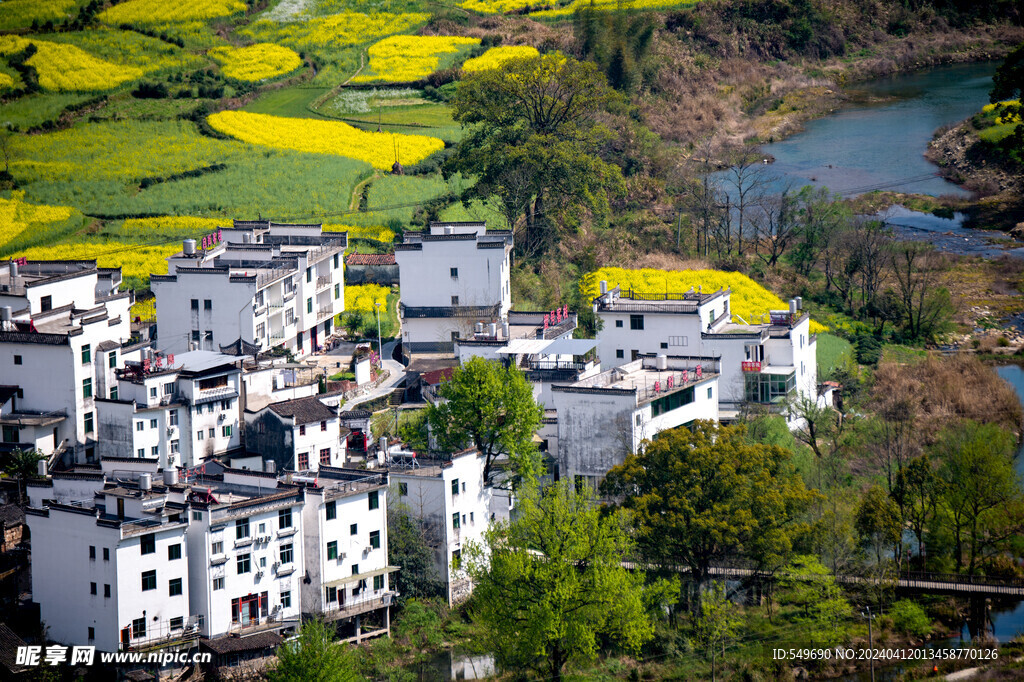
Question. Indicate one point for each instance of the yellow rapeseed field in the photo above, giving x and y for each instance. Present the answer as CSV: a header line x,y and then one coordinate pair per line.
x,y
1006,112
336,30
748,299
375,233
174,224
6,81
159,11
144,309
324,137
363,297
18,13
401,59
16,216
135,260
256,62
66,67
496,56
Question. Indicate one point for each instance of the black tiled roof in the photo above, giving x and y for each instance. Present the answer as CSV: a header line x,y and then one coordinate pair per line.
x,y
304,410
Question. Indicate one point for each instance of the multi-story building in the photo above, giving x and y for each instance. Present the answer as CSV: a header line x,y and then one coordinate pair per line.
x,y
604,417
452,502
261,285
178,410
453,276
64,329
297,435
110,561
345,523
762,362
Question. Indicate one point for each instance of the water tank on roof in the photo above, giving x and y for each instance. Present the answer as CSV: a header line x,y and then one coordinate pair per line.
x,y
145,481
171,475
448,229
661,362
5,314
14,270
492,330
188,247
799,302
792,306
270,466
479,328
604,286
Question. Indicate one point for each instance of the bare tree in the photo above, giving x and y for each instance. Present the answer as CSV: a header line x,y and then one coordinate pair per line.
x,y
748,180
918,270
776,227
704,198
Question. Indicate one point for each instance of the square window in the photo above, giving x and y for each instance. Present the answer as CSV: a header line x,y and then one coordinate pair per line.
x,y
619,353
303,461
141,452
332,550
286,599
113,392
199,434
152,423
325,456
155,450
197,516
148,580
195,304
243,564
46,303
454,272
211,432
174,588
636,322
217,547
148,543
355,569
284,518
286,554
175,447
177,623
372,499
226,431
207,304
455,521
17,359
174,551
618,323
455,300
331,595
331,510
378,583
403,489
172,419
218,583
138,628
375,539
152,391
140,425
664,344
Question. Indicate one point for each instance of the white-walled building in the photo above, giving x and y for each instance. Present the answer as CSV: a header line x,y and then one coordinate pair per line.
x,y
762,362
302,434
453,276
64,330
346,534
604,417
453,503
178,410
110,564
266,284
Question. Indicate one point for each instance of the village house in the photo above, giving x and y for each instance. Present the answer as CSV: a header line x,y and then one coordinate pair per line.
x,y
453,276
302,434
64,331
258,285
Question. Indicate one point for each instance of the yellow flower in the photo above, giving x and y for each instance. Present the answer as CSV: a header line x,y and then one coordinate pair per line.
x,y
401,59
496,56
364,297
256,62
66,67
156,11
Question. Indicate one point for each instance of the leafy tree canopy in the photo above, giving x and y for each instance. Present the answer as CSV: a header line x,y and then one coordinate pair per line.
x,y
314,657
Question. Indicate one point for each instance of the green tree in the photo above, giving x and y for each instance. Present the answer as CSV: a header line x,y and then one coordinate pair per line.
x,y
1008,80
22,465
408,548
916,491
808,585
314,657
550,588
716,623
710,495
926,305
980,494
535,143
489,407
878,522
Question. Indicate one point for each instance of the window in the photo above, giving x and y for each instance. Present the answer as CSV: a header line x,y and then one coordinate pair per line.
x,y
153,423
140,453
286,599
207,304
455,300
454,272
335,261
217,547
243,564
218,583
92,633
148,580
456,559
455,487
10,434
323,425
303,461
169,388
455,521
87,422
138,628
177,623
284,518
471,519
332,510
172,418
92,589
302,429
378,583
226,431
325,456
112,359
155,450
199,434
173,552
337,291
309,305
355,569
152,392
672,401
106,591
106,554
664,344
174,588
375,539
636,321
113,392
331,595
309,274
259,299
372,498
353,529
618,323
195,304
211,432
403,489
148,543
195,335
289,316
86,354
197,516
619,353
86,388
677,341
261,330
332,550
175,447
17,359
241,528
286,554
46,303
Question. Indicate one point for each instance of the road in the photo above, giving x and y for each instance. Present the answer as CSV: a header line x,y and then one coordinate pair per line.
x,y
397,377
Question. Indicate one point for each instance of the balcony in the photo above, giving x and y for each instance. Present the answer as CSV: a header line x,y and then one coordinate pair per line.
x,y
324,312
353,606
262,624
161,635
323,282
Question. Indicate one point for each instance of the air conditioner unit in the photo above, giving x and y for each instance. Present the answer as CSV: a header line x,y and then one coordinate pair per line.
x,y
170,431
259,574
366,552
277,564
342,555
220,418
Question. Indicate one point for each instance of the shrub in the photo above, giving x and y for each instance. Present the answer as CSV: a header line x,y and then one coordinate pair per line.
x,y
909,618
147,90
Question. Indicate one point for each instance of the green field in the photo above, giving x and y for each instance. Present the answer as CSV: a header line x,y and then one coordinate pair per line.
x,y
294,102
833,353
417,118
